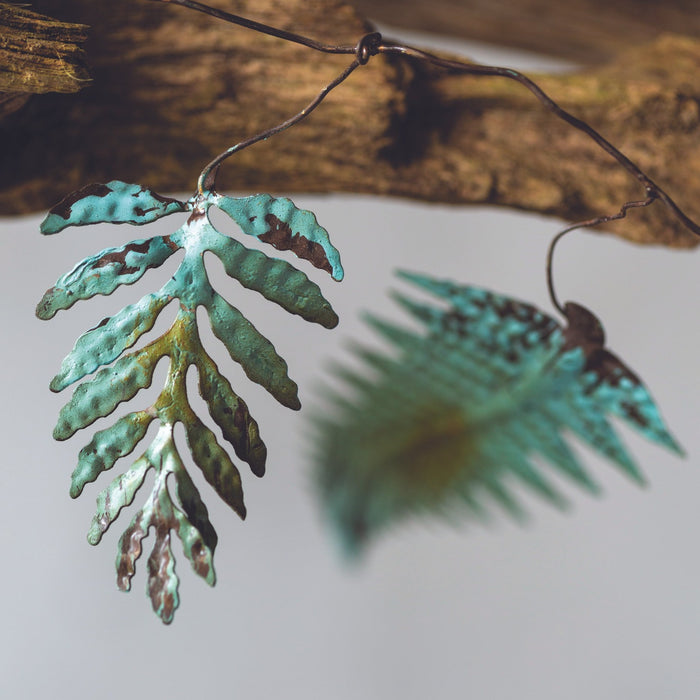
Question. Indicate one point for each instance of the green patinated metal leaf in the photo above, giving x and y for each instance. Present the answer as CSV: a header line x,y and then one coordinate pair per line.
x,y
199,539
462,410
275,279
107,446
191,523
118,377
116,202
252,351
216,465
117,495
162,579
130,547
104,272
231,415
99,396
104,343
279,223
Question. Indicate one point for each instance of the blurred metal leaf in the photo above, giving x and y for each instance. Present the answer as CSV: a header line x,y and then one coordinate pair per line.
x,y
118,377
462,410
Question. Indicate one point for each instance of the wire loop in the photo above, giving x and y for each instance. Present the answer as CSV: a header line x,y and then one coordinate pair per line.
x,y
367,47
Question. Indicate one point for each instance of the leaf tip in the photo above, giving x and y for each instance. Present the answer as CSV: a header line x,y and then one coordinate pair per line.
x,y
673,445
57,384
44,309
61,432
95,533
51,224
331,319
257,460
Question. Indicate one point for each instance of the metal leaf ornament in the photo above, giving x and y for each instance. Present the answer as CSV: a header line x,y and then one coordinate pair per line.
x,y
175,505
462,410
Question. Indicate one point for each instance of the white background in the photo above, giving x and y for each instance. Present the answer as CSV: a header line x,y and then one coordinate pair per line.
x,y
602,603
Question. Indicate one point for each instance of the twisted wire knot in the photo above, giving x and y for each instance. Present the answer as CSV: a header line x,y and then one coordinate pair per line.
x,y
367,47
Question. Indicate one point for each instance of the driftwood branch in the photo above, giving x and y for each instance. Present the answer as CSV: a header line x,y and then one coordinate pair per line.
x,y
173,88
38,54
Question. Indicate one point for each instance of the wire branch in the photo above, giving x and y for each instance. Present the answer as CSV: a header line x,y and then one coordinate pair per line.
x,y
373,44
589,223
409,128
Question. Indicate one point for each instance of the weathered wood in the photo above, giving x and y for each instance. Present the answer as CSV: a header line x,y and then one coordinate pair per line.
x,y
39,54
172,88
585,31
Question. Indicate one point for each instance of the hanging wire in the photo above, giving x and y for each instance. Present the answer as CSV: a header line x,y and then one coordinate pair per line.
x,y
260,27
589,223
366,47
373,44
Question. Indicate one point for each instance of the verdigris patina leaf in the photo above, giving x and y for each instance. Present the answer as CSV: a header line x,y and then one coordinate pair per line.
x,y
119,377
116,202
462,410
104,272
279,223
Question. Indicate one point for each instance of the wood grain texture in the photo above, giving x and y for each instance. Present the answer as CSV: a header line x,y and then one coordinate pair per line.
x,y
173,88
39,54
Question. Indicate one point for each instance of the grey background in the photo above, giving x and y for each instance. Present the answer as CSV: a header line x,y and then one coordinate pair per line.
x,y
603,602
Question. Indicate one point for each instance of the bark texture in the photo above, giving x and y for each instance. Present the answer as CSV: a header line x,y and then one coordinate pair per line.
x,y
39,54
172,88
